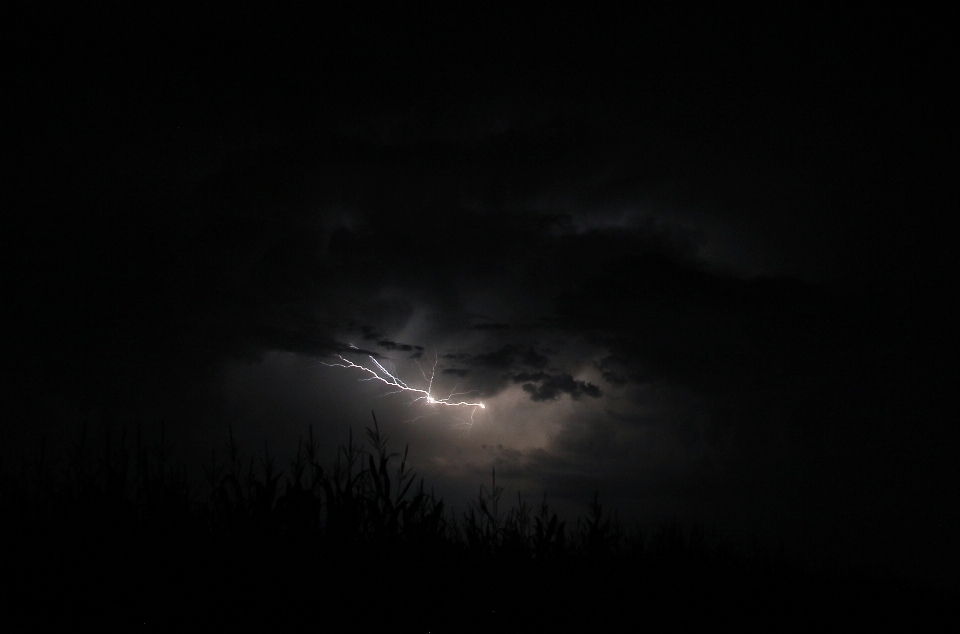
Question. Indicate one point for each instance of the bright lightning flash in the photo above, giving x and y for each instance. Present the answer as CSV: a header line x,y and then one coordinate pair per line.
x,y
380,373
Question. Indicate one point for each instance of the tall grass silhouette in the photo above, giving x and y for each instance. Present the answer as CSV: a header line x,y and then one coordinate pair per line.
x,y
123,537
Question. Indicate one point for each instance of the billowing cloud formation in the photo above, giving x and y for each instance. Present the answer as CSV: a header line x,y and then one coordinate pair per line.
x,y
402,347
542,386
510,355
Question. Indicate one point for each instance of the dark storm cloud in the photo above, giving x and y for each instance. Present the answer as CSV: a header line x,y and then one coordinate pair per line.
x,y
510,356
369,333
546,387
607,369
286,240
258,248
402,347
491,327
772,344
489,372
713,331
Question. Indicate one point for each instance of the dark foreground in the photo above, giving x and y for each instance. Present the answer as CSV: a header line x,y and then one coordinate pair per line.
x,y
125,540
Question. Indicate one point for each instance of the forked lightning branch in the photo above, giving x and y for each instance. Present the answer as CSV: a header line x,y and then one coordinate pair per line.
x,y
377,372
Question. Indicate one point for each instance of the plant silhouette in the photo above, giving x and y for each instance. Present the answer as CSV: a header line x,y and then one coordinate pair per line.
x,y
122,537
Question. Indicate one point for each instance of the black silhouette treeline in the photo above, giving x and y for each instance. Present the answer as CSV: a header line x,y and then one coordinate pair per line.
x,y
124,538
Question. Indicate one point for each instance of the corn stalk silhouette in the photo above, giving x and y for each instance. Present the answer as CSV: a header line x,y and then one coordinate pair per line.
x,y
128,521
362,501
517,533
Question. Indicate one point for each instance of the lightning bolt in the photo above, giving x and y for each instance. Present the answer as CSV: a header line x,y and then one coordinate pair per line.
x,y
377,372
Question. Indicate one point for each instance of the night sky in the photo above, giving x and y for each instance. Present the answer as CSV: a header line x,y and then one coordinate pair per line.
x,y
697,261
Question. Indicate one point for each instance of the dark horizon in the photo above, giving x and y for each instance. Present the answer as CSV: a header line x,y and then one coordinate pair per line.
x,y
696,260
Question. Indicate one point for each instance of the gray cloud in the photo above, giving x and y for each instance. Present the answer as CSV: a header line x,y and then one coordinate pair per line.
x,y
402,347
542,386
509,356
492,327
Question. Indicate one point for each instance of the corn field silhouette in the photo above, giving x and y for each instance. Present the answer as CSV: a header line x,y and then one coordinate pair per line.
x,y
122,537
